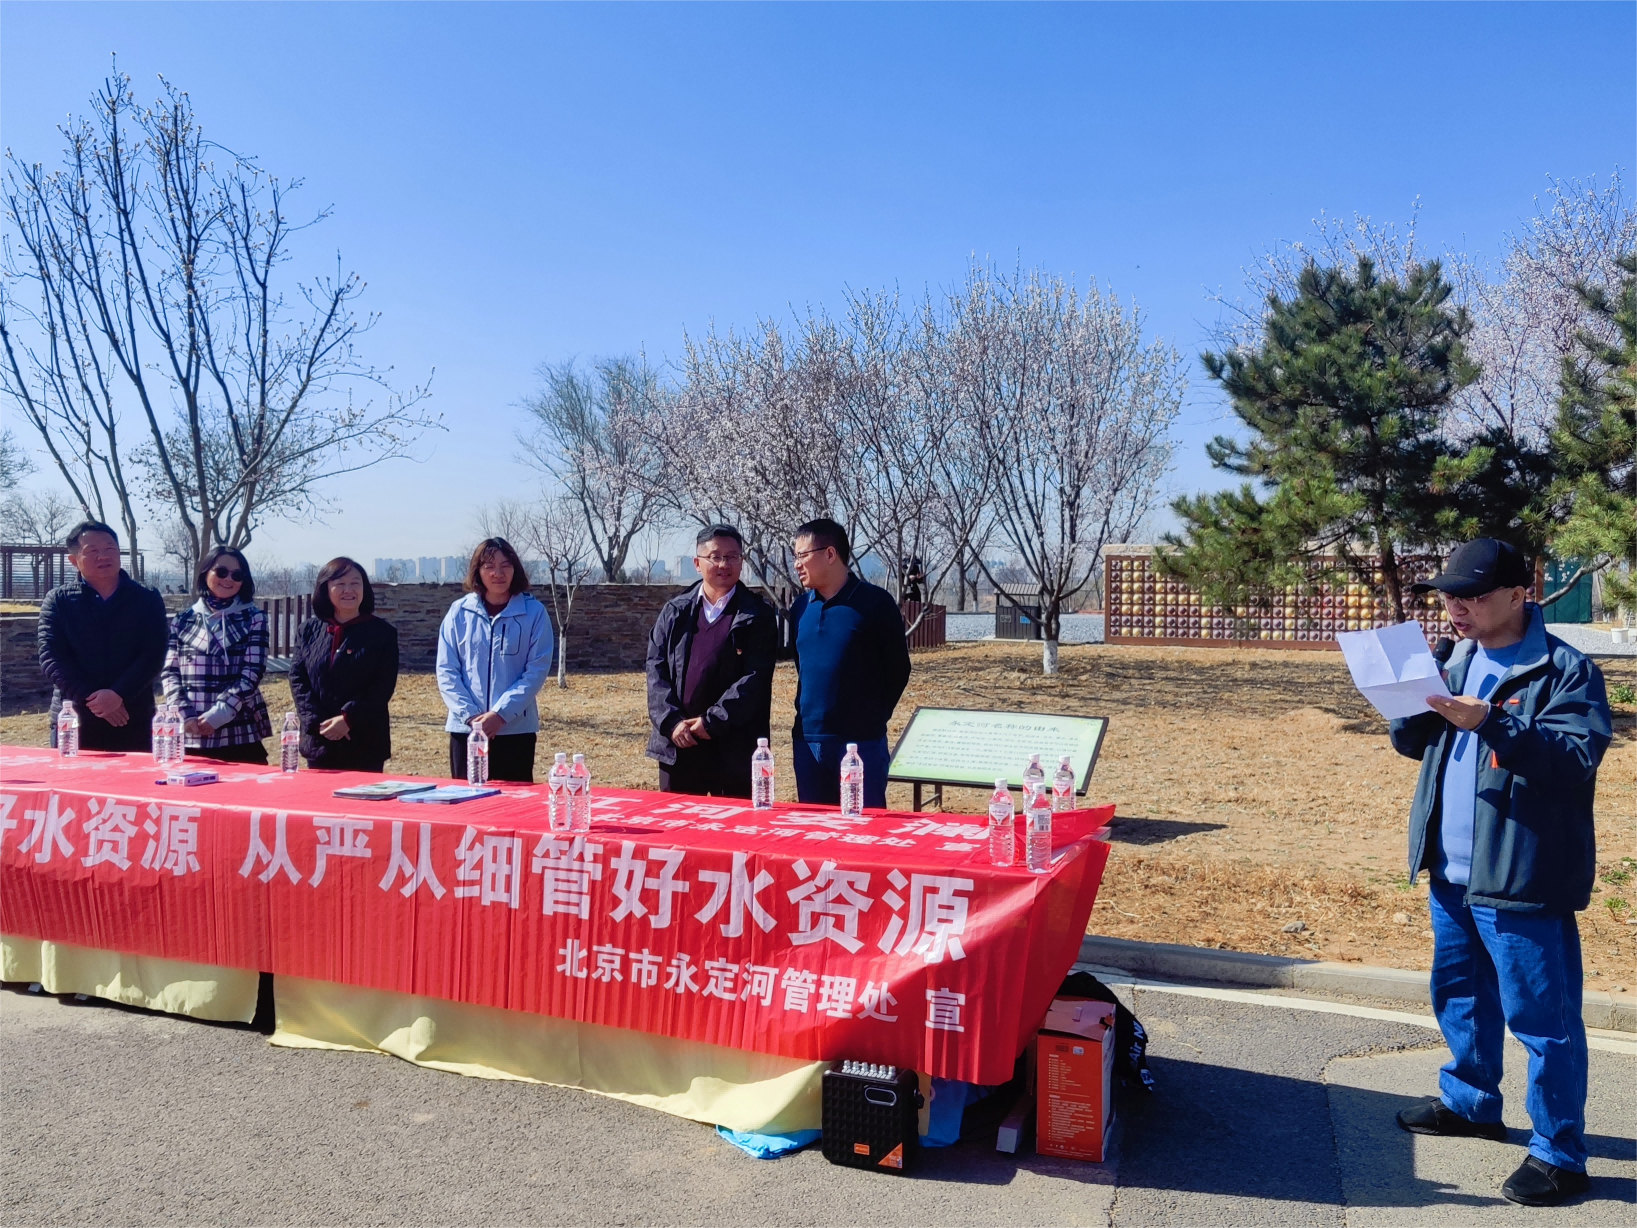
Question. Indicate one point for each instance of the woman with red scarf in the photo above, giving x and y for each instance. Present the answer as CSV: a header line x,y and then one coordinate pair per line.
x,y
343,673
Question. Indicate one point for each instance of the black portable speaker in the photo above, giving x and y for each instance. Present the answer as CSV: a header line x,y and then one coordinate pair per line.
x,y
870,1116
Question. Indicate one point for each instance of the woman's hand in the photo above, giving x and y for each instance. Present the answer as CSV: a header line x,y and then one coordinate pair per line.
x,y
490,722
195,727
334,729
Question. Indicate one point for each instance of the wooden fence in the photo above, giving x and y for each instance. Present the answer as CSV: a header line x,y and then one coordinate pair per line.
x,y
28,573
931,631
284,618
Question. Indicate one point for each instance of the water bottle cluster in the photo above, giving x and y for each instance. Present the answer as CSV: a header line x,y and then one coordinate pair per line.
x,y
169,752
568,794
1038,808
870,1070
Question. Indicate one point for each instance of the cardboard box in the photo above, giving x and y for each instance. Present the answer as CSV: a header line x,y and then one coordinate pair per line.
x,y
1078,1016
1075,1084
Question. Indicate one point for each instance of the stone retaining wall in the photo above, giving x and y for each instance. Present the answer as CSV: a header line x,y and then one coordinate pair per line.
x,y
608,629
22,685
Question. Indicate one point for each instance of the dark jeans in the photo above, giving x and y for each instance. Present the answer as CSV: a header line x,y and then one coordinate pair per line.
x,y
817,765
1495,969
245,752
707,771
511,757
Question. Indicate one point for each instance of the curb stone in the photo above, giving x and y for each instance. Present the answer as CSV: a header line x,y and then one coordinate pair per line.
x,y
1167,961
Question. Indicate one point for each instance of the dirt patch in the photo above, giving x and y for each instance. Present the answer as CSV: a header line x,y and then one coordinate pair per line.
x,y
1253,789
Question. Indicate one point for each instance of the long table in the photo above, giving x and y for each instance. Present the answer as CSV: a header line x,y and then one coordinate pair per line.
x,y
796,932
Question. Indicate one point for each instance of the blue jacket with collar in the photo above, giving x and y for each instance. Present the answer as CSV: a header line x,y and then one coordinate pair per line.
x,y
1533,844
494,663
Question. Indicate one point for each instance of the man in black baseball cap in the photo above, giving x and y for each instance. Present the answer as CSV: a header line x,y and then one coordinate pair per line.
x,y
1502,822
1480,567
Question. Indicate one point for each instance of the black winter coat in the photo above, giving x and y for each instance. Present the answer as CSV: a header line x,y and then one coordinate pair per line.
x,y
744,710
89,645
357,685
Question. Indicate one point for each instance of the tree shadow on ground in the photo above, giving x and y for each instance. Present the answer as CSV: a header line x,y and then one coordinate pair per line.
x,y
1138,829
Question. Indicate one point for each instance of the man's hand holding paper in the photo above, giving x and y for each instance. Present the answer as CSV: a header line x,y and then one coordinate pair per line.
x,y
1394,669
1462,711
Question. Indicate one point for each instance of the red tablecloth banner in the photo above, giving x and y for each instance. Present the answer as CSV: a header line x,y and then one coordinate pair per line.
x,y
889,938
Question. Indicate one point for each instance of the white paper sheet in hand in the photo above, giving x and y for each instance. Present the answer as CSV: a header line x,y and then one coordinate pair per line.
x,y
1393,668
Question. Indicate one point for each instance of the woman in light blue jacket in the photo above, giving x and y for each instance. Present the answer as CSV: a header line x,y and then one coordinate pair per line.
x,y
494,655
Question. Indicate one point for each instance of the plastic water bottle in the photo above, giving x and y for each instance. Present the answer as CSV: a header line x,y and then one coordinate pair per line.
x,y
1034,777
179,750
1037,819
1063,787
68,731
290,744
761,777
1002,851
158,737
477,756
557,815
852,783
579,795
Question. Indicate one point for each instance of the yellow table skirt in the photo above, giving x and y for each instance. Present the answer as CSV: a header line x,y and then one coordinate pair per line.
x,y
706,1083
710,1083
201,991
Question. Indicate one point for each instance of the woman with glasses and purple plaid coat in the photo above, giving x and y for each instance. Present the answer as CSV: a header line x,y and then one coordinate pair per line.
x,y
214,666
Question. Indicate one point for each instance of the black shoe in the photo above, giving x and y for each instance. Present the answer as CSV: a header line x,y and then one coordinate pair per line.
x,y
1539,1184
1436,1117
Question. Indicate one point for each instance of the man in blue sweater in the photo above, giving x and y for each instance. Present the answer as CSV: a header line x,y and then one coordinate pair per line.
x,y
853,664
1502,821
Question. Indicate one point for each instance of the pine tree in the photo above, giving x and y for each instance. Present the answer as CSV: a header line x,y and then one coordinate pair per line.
x,y
1593,444
1344,400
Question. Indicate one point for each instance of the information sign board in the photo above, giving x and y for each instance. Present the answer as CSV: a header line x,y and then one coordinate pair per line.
x,y
968,746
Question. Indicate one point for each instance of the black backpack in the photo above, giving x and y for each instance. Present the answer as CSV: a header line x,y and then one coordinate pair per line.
x,y
1130,1040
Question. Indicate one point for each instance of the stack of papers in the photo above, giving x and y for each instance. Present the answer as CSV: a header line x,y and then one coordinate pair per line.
x,y
1393,668
384,790
447,795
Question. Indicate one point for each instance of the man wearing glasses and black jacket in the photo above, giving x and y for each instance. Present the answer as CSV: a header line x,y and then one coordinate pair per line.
x,y
710,675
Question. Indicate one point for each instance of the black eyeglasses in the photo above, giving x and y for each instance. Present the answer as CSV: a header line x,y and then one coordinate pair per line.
x,y
223,573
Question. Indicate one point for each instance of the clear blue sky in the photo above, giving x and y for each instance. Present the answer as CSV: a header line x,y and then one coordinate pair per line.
x,y
525,182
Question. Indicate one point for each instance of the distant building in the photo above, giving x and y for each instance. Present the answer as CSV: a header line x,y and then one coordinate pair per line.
x,y
454,569
686,572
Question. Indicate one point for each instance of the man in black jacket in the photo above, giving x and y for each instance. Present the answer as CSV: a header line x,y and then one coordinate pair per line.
x,y
710,675
102,644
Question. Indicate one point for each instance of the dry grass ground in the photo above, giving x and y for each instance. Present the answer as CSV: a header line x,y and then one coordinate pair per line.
x,y
1253,789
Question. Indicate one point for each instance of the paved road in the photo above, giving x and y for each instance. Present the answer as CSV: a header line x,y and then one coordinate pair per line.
x,y
1591,641
1088,629
1264,1115
1076,628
